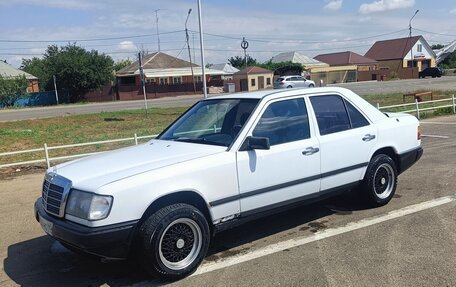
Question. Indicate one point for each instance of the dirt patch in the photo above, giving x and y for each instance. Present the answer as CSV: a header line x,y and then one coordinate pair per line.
x,y
14,172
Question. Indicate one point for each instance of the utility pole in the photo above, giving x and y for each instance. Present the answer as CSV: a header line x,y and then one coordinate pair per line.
x,y
410,39
189,53
143,84
200,20
55,89
156,24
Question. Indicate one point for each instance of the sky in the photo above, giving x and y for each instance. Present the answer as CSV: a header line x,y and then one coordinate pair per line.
x,y
120,28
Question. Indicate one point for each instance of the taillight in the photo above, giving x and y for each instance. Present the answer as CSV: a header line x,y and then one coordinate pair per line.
x,y
419,133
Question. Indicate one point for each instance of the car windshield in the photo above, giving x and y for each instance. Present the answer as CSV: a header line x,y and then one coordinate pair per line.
x,y
213,122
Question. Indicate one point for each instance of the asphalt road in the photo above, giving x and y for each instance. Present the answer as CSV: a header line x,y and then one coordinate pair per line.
x,y
336,242
362,88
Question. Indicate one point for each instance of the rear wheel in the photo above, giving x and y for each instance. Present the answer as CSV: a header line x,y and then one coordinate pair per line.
x,y
311,85
380,181
289,87
174,241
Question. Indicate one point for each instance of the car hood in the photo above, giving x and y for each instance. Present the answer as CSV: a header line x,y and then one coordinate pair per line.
x,y
92,172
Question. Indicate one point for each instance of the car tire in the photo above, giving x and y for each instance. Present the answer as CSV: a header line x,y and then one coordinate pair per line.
x,y
380,182
311,86
174,241
289,87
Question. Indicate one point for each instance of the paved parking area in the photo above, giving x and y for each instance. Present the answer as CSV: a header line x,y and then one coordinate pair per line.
x,y
336,242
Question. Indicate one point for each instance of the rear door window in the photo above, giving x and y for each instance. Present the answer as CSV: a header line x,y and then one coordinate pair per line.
x,y
357,120
331,114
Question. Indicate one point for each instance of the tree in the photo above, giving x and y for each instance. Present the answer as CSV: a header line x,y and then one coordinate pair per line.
x,y
450,60
120,64
437,46
239,62
283,67
37,67
77,71
12,89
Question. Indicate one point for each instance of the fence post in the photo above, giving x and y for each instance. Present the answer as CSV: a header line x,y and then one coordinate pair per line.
x,y
378,106
46,155
454,105
417,109
136,139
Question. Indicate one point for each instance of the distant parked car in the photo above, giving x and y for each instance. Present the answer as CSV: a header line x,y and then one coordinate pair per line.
x,y
432,72
293,82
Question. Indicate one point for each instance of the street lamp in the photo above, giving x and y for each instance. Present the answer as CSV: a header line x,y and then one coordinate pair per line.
x,y
189,54
200,21
410,22
410,39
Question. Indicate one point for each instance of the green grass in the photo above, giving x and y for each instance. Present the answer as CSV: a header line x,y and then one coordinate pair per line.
x,y
397,99
29,134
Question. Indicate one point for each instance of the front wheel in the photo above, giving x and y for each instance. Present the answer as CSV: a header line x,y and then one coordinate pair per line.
x,y
311,85
174,241
380,181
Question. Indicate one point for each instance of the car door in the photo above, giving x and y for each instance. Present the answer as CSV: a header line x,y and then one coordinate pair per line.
x,y
347,140
290,169
300,82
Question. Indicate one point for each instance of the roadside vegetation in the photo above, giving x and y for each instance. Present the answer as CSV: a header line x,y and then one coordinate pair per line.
x,y
29,134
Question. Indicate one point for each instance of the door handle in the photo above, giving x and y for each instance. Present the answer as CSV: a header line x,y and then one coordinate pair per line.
x,y
310,150
368,137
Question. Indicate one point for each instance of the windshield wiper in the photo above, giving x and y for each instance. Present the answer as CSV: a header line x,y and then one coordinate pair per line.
x,y
198,140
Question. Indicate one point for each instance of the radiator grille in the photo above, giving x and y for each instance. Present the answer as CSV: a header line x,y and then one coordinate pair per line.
x,y
54,195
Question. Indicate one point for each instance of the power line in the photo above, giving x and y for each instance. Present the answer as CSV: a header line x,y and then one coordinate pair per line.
x,y
87,40
288,40
207,49
434,33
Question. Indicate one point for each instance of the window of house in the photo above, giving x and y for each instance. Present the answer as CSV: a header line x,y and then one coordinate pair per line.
x,y
419,48
127,80
197,79
150,80
268,81
177,80
252,82
283,122
163,81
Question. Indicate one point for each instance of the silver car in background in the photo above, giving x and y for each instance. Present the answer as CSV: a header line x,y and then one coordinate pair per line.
x,y
285,82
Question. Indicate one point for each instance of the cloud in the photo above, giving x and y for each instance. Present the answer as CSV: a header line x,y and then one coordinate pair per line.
x,y
385,5
126,46
68,4
453,11
333,5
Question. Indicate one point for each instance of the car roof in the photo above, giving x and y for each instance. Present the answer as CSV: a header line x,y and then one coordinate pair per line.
x,y
282,93
373,112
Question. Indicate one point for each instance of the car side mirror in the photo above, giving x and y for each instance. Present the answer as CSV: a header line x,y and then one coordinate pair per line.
x,y
252,143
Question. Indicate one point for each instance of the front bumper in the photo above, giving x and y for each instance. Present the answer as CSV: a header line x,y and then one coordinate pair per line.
x,y
407,159
109,242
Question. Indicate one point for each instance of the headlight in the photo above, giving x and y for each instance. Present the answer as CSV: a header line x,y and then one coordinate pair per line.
x,y
88,205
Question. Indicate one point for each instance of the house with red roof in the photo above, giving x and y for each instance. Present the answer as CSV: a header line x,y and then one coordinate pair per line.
x,y
352,66
253,79
404,56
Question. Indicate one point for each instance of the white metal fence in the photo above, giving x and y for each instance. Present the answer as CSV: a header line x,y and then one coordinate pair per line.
x,y
47,159
417,109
